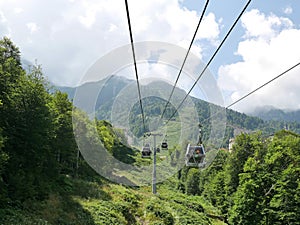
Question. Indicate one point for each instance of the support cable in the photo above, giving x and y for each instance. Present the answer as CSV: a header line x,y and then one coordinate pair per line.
x,y
240,99
255,90
135,66
245,96
211,59
189,49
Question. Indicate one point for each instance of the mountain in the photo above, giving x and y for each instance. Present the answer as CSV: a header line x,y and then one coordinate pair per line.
x,y
112,89
271,113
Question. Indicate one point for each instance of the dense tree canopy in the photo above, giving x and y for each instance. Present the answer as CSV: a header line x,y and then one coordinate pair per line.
x,y
258,183
36,136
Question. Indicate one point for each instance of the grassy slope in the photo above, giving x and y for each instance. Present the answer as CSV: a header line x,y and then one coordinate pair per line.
x,y
77,201
101,202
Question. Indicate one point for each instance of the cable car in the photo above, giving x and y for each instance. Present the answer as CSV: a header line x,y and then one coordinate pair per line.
x,y
164,145
157,149
194,156
146,151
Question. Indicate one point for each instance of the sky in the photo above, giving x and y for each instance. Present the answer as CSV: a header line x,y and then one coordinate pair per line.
x,y
68,36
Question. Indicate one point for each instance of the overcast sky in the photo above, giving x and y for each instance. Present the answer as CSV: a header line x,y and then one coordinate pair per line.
x,y
68,36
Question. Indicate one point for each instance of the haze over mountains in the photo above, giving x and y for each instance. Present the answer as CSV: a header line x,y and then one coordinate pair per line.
x,y
267,120
272,113
116,83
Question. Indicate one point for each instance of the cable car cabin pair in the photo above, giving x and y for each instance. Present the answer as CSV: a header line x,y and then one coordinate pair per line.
x,y
146,151
194,156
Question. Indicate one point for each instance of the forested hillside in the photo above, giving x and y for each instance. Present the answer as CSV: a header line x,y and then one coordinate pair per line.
x,y
38,148
45,180
258,183
43,177
236,122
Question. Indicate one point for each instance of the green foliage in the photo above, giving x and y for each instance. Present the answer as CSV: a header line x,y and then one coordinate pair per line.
x,y
175,208
268,192
37,126
3,155
105,131
26,122
31,160
212,182
216,192
3,162
9,50
283,160
10,216
258,183
113,140
63,137
44,179
61,209
285,203
245,146
242,120
188,209
104,212
158,214
83,188
247,208
192,182
153,106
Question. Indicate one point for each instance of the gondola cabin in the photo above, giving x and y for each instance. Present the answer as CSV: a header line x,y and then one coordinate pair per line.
x,y
194,156
164,145
146,151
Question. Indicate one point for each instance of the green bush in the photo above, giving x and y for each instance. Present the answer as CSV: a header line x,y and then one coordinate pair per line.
x,y
87,189
15,216
193,218
192,182
105,212
155,209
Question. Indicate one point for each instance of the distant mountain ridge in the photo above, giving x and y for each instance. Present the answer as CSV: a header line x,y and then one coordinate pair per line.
x,y
236,122
112,86
271,113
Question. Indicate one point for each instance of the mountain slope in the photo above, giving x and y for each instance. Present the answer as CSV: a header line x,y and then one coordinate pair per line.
x,y
271,113
236,122
103,203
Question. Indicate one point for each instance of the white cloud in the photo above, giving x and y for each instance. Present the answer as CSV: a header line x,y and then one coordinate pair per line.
x,y
288,10
2,18
209,29
18,10
268,50
71,35
88,20
258,25
112,27
4,29
32,27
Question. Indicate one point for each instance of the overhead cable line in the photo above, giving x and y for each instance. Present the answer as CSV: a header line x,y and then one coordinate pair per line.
x,y
245,96
211,59
189,49
263,85
235,102
242,98
135,65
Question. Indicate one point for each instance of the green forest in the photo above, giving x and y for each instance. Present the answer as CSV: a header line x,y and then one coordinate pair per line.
x,y
45,180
